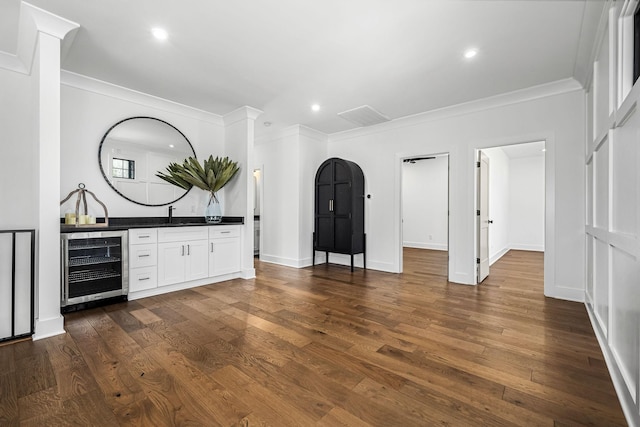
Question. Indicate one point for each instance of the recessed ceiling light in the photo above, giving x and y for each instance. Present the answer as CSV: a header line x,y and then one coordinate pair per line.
x,y
171,145
267,124
315,107
543,150
160,33
470,53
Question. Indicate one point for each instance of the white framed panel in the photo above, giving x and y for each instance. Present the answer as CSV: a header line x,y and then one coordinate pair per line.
x,y
601,185
601,107
624,176
590,197
601,284
625,309
590,243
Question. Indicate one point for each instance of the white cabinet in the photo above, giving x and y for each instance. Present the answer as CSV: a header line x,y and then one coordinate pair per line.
x,y
224,250
143,259
167,259
182,254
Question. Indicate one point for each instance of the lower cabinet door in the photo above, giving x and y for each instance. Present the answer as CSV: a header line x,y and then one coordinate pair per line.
x,y
143,278
197,265
224,256
171,263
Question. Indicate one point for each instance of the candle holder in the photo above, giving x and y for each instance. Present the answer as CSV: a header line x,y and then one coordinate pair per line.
x,y
84,220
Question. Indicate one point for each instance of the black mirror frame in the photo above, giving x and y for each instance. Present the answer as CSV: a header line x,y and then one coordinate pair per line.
x,y
109,182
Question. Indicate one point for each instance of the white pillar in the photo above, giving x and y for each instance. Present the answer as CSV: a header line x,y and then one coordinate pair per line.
x,y
51,30
238,194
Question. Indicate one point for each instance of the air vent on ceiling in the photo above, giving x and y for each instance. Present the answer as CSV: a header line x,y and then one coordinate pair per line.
x,y
364,116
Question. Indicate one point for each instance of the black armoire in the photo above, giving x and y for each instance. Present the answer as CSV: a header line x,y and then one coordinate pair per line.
x,y
339,209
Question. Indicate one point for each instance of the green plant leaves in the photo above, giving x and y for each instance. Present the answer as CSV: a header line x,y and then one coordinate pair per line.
x,y
211,177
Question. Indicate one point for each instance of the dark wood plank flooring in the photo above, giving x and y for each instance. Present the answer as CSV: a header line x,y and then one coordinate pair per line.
x,y
321,346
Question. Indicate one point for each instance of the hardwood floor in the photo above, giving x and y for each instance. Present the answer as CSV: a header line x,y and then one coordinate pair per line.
x,y
321,346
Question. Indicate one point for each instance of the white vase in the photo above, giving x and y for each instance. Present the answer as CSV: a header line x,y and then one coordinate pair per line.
x,y
213,210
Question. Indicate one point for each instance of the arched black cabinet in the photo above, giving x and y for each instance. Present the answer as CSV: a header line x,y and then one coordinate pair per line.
x,y
339,209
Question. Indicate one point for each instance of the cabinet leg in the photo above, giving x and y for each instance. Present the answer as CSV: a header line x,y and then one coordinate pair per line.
x,y
326,257
352,263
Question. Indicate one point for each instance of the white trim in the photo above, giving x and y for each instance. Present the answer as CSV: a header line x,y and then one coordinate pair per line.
x,y
46,328
239,114
628,405
288,262
422,245
248,273
12,63
111,90
181,286
499,255
526,247
523,95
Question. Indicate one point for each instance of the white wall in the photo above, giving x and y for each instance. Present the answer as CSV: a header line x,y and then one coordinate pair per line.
x,y
613,208
425,187
516,203
553,113
526,203
91,107
18,174
288,162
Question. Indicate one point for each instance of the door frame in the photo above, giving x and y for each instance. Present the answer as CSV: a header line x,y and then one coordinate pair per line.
x,y
401,222
483,220
549,203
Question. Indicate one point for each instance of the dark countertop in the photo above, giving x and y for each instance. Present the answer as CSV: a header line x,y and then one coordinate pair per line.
x,y
125,223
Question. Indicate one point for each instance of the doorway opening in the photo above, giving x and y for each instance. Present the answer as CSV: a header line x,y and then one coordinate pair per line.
x,y
425,213
510,202
257,204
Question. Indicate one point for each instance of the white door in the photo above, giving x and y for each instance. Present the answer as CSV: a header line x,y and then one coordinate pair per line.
x,y
224,257
197,260
483,216
171,263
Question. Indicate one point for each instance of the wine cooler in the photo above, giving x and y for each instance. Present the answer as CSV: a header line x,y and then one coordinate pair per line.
x,y
94,267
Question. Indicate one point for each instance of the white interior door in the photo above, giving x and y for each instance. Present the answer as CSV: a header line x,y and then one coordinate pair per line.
x,y
483,216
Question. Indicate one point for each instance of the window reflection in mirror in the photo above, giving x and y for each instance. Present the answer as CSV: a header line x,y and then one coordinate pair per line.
x,y
134,150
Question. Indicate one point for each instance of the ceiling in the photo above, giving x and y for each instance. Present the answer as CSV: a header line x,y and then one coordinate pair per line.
x,y
401,58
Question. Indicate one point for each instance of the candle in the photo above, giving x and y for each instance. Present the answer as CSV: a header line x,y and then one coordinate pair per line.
x,y
92,219
83,219
70,218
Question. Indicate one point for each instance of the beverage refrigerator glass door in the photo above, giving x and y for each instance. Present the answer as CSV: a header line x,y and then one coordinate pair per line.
x,y
94,266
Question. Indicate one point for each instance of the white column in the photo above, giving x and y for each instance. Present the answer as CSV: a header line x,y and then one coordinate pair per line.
x,y
238,194
50,31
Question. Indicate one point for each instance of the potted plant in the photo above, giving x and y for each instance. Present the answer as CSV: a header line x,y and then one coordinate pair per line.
x,y
210,177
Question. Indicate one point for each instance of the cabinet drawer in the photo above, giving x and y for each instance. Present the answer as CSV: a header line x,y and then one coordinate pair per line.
x,y
143,278
143,255
181,234
220,232
143,235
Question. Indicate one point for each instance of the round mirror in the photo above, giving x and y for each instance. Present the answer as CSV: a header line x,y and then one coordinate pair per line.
x,y
134,150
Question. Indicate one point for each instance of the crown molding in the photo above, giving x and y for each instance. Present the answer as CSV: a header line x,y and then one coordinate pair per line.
x,y
89,84
242,113
509,98
33,20
292,131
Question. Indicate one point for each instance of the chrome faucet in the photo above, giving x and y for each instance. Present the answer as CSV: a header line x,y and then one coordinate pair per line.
x,y
171,208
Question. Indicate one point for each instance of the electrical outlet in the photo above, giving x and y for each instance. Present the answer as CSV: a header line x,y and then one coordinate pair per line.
x,y
430,237
193,209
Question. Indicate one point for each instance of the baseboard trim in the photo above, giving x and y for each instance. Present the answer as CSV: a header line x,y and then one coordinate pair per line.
x,y
626,400
49,327
498,255
421,245
526,247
